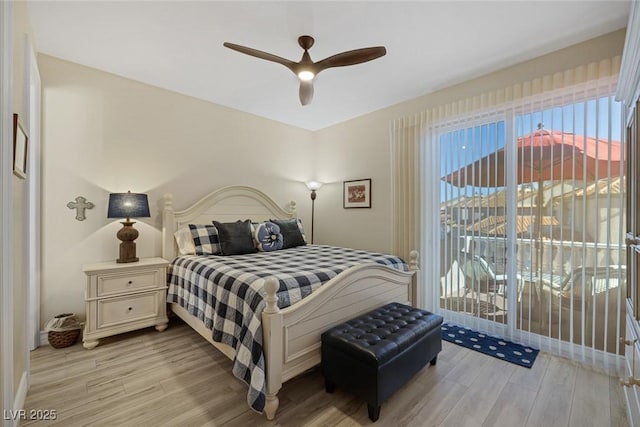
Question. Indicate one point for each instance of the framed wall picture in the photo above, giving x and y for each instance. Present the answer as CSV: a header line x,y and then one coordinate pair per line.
x,y
357,194
20,144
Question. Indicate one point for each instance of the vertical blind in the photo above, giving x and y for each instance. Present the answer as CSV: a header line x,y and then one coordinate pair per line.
x,y
571,271
409,135
538,260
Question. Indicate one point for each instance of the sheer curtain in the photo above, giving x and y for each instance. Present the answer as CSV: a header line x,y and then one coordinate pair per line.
x,y
406,148
572,274
423,216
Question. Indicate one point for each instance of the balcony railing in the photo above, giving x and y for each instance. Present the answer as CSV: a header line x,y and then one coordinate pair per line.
x,y
575,295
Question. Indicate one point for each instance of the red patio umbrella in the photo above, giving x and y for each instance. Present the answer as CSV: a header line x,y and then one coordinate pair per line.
x,y
545,155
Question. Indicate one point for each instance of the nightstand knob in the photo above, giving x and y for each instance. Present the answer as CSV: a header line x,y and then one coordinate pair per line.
x,y
130,282
130,308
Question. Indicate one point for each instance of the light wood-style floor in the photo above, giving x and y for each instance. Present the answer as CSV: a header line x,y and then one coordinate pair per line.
x,y
175,378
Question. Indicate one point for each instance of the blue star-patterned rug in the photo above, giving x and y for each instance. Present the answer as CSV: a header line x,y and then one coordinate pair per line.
x,y
487,344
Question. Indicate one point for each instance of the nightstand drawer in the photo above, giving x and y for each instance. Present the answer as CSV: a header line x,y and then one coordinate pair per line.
x,y
114,311
110,284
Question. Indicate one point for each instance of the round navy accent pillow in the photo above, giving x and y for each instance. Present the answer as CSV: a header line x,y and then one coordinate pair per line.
x,y
268,237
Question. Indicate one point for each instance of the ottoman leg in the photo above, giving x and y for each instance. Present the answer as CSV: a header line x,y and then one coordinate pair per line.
x,y
329,386
374,412
434,360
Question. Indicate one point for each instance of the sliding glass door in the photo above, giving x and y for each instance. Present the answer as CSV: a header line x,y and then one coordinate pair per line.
x,y
531,223
571,263
473,231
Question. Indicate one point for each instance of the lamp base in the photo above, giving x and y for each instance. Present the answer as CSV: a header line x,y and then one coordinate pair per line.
x,y
127,234
127,254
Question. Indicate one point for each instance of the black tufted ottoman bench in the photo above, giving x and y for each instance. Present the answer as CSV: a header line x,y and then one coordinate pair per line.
x,y
375,354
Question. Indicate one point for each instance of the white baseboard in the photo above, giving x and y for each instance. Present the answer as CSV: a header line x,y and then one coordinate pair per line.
x,y
21,396
44,338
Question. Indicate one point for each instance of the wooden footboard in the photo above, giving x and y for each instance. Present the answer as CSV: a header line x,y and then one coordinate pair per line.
x,y
292,335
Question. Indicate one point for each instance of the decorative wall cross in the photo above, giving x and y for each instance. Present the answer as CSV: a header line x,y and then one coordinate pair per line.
x,y
80,205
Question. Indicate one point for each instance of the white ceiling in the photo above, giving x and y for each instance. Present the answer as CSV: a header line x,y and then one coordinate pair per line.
x,y
177,45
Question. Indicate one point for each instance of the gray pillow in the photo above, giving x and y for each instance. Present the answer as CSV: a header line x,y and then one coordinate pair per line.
x,y
291,234
235,237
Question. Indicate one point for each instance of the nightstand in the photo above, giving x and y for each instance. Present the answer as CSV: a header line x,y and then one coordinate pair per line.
x,y
124,297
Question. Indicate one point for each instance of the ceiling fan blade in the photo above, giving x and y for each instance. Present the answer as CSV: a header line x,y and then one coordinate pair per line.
x,y
351,57
306,92
260,54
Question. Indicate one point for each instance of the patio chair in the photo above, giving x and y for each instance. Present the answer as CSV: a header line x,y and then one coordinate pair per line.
x,y
574,295
555,287
481,275
567,287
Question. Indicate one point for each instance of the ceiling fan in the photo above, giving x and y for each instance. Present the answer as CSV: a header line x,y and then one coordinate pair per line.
x,y
306,69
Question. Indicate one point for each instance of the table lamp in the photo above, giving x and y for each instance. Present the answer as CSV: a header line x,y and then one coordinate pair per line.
x,y
127,205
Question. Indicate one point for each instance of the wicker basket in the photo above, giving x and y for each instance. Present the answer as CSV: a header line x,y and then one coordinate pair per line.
x,y
63,330
64,338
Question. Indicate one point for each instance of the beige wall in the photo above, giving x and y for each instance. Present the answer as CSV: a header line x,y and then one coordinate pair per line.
x,y
103,133
360,148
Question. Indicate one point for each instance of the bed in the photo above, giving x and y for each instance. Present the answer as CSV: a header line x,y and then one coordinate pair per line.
x,y
290,336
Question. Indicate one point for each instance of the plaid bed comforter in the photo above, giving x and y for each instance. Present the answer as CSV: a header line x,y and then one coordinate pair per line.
x,y
227,294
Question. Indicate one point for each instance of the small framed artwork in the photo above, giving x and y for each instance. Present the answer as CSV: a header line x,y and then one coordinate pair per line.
x,y
357,194
20,143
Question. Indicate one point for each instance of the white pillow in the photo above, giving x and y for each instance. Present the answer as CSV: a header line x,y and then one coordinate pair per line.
x,y
184,239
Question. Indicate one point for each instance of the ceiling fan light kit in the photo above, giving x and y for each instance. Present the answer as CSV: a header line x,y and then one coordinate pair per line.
x,y
305,76
306,69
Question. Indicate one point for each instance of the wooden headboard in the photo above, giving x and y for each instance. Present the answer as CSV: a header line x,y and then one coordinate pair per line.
x,y
226,204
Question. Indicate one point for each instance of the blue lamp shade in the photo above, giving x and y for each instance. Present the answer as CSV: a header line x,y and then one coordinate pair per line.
x,y
128,205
